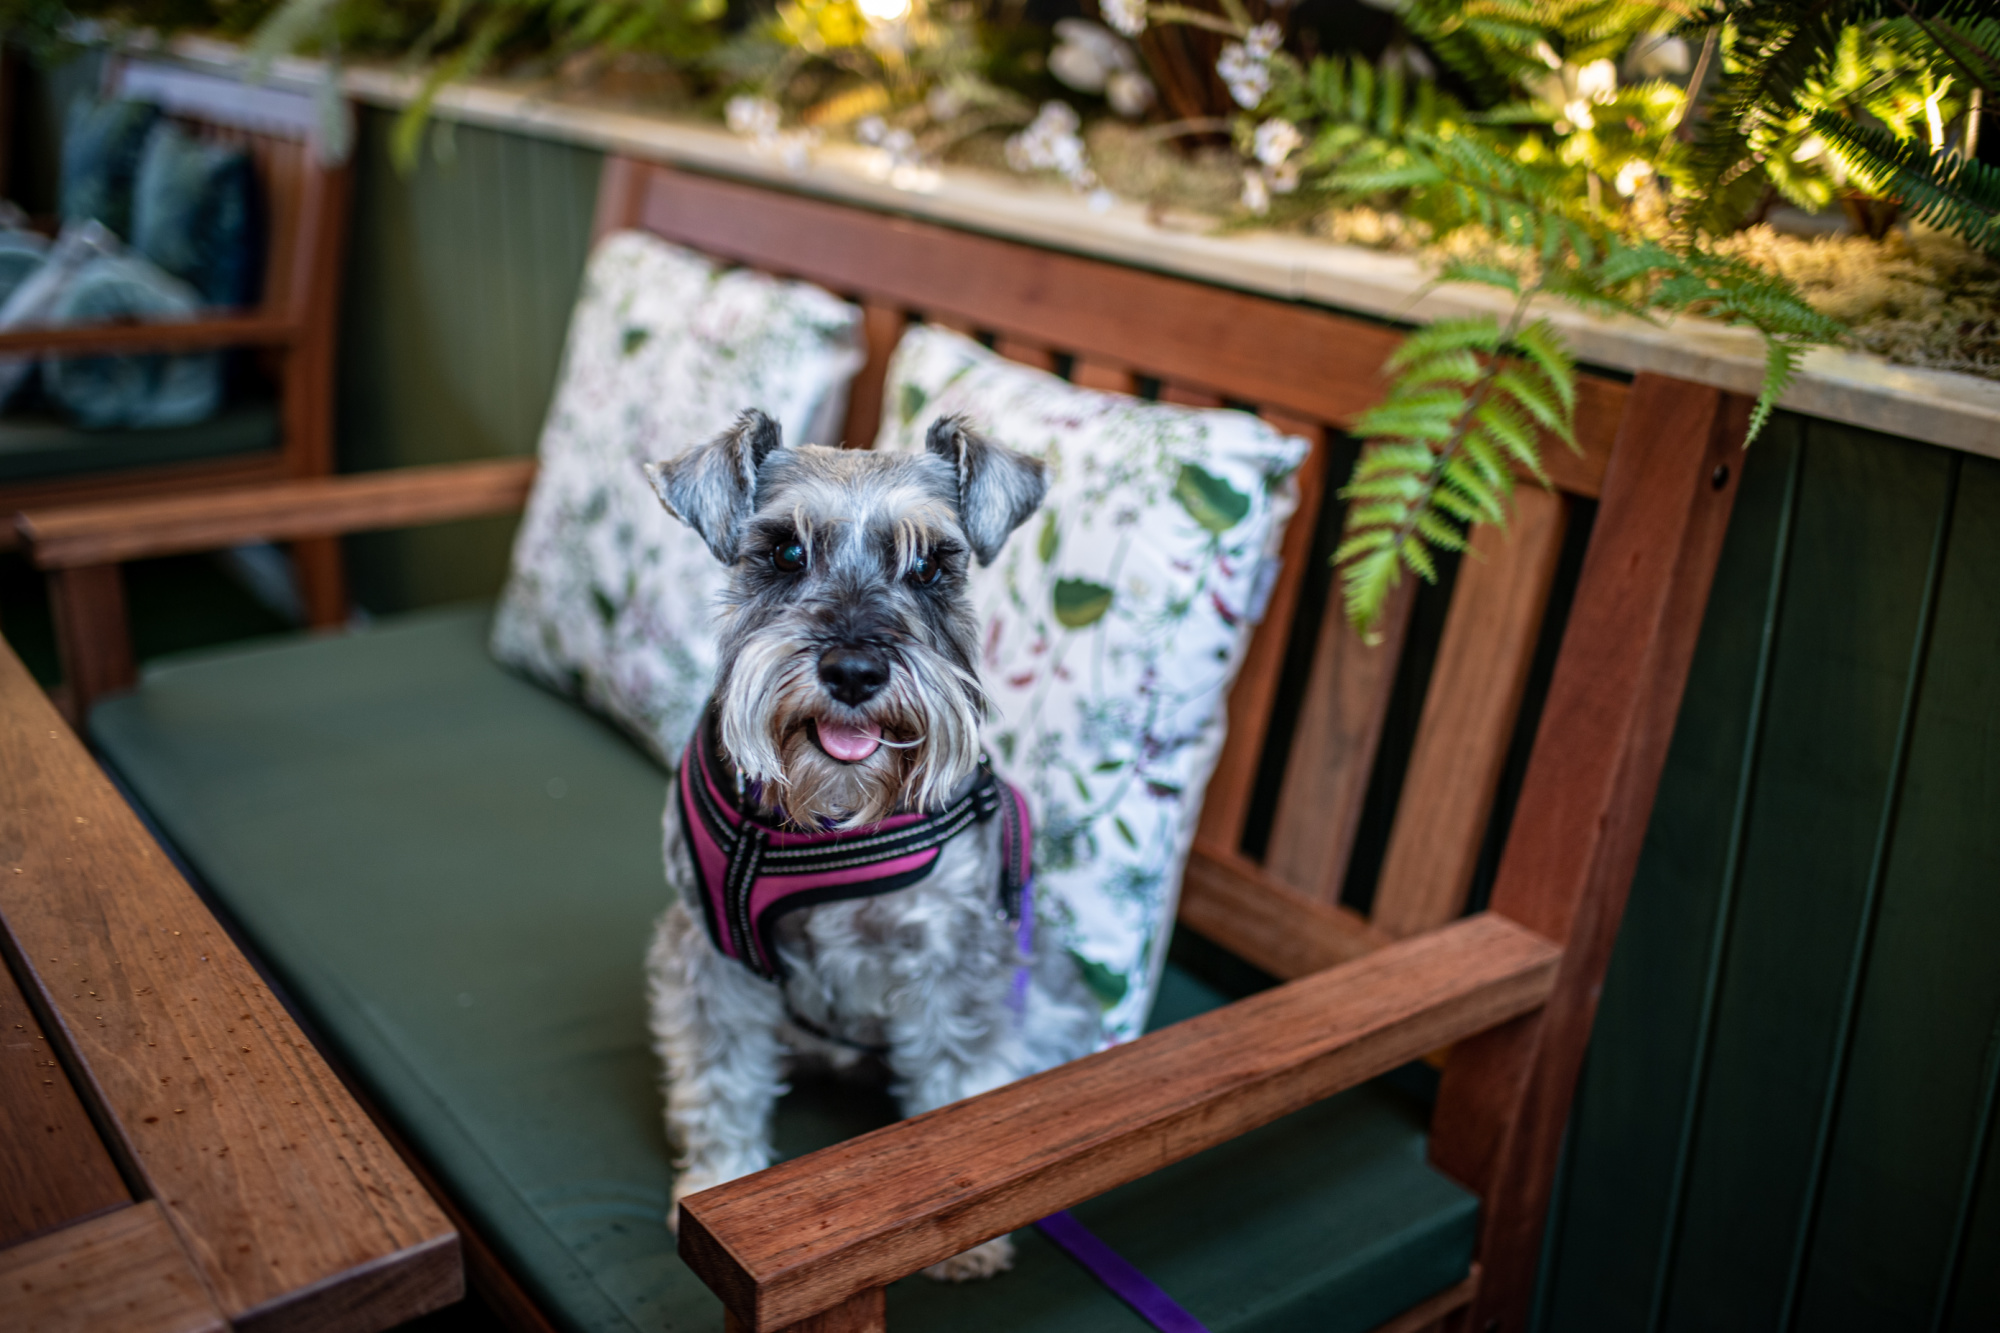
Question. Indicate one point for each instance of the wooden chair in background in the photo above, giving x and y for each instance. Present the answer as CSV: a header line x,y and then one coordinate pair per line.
x,y
291,332
811,1243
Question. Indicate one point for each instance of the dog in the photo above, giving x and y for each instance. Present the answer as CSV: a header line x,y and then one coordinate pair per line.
x,y
847,707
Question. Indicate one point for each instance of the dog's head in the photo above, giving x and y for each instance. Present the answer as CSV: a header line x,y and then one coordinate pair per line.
x,y
849,682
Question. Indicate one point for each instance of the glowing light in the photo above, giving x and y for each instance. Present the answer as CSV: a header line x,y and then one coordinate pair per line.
x,y
884,11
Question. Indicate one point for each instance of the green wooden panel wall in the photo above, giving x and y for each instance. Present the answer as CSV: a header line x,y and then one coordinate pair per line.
x,y
460,278
1785,1120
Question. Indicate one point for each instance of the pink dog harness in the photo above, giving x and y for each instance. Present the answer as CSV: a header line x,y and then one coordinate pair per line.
x,y
751,872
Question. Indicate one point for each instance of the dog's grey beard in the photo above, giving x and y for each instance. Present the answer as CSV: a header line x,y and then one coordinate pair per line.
x,y
771,690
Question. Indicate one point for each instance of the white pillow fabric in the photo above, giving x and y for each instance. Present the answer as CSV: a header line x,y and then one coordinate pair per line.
x,y
610,597
1113,623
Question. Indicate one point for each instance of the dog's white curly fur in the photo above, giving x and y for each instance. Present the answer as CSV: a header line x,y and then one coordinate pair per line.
x,y
925,972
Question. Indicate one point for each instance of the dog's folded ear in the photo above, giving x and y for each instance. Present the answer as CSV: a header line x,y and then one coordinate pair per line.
x,y
713,487
997,487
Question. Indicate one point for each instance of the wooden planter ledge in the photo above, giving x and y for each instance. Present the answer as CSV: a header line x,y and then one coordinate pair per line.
x,y
1935,407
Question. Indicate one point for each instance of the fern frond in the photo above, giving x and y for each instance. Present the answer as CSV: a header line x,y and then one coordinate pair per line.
x,y
1950,192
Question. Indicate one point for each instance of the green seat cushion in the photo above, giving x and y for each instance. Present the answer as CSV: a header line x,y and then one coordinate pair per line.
x,y
36,446
455,874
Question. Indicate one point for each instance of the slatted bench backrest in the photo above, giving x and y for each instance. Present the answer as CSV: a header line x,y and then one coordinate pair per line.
x,y
1308,371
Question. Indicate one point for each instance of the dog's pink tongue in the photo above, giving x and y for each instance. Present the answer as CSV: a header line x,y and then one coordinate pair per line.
x,y
847,741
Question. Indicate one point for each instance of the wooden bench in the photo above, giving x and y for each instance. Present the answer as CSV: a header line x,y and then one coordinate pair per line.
x,y
1506,993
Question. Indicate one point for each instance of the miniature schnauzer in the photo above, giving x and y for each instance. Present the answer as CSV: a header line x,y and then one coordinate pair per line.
x,y
849,873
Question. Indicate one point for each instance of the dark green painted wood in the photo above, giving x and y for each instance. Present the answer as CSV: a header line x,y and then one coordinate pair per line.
x,y
1629,1114
1861,542
1918,1070
1839,1090
460,279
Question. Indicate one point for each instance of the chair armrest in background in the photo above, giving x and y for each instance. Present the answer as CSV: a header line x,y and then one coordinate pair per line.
x,y
807,1235
176,336
120,530
82,545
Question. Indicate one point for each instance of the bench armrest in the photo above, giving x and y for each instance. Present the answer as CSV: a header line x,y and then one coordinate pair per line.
x,y
190,335
812,1233
255,1163
120,530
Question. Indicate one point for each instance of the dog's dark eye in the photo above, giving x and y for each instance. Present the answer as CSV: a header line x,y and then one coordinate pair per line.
x,y
924,570
788,557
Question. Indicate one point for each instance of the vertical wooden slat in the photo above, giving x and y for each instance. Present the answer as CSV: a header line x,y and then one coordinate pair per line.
x,y
881,329
1333,748
964,327
621,195
92,637
1229,788
1489,642
1025,352
1088,374
1602,742
1183,396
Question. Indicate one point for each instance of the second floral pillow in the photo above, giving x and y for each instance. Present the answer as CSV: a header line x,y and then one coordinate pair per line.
x,y
1113,623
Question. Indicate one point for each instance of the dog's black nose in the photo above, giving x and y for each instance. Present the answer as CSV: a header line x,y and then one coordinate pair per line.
x,y
853,675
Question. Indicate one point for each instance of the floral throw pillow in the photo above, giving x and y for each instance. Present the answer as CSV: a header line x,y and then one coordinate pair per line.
x,y
610,598
1113,623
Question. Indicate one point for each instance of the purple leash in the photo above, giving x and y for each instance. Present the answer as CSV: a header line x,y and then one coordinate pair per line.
x,y
1127,1283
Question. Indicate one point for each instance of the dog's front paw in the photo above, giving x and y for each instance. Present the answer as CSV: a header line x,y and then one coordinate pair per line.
x,y
995,1256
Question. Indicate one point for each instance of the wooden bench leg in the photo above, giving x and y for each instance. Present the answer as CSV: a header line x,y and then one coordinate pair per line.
x,y
92,637
322,581
867,1312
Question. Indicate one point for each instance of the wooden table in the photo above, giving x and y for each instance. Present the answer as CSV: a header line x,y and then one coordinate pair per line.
x,y
174,1154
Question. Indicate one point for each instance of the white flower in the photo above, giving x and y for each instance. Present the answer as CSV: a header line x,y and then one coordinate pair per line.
x,y
1657,56
1264,40
1256,193
1130,93
1247,77
1276,140
1050,143
1632,175
1087,55
1285,177
870,130
1597,81
1128,16
751,117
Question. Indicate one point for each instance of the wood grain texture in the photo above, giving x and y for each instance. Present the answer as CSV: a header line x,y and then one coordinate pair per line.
x,y
1187,395
124,1270
1226,803
54,1170
1025,353
129,339
865,1313
1087,373
295,1212
1490,634
812,1232
1584,806
92,637
1333,748
1267,923
881,328
317,507
1312,362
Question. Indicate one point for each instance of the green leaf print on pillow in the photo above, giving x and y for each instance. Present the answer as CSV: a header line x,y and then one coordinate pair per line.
x,y
1209,500
1080,603
1109,987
